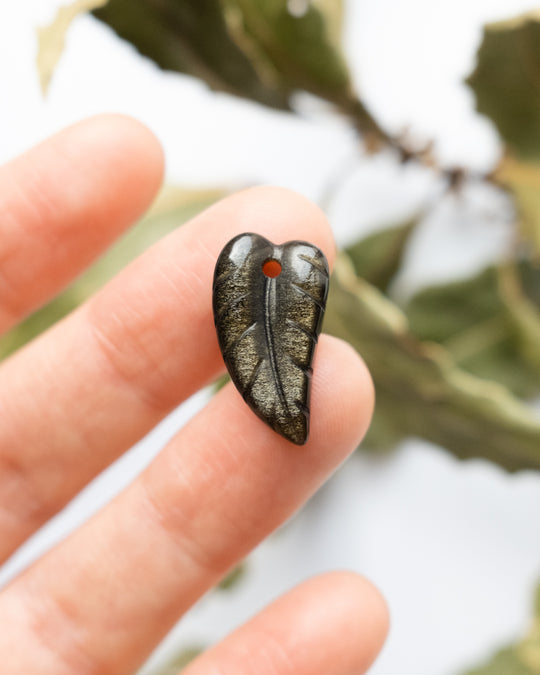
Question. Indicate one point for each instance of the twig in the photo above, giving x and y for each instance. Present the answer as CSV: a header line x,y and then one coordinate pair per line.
x,y
376,138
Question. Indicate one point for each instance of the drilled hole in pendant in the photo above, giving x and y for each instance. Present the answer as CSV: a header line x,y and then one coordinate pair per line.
x,y
271,269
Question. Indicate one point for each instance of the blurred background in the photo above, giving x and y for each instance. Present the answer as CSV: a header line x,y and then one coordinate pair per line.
x,y
416,126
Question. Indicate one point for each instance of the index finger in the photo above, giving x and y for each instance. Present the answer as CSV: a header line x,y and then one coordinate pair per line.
x,y
65,201
107,374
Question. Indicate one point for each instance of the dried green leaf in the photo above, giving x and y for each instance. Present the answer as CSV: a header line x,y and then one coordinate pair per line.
x,y
191,36
474,321
172,208
179,661
505,82
504,662
257,49
522,180
378,257
300,49
235,576
523,658
420,390
51,38
220,382
333,12
524,314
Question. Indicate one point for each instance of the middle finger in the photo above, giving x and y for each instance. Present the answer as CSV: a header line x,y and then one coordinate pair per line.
x,y
80,395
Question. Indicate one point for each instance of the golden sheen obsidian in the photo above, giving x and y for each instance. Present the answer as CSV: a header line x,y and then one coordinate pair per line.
x,y
268,327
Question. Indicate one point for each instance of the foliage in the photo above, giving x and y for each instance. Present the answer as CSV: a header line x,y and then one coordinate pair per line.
x,y
51,38
251,48
179,661
420,390
522,180
505,83
191,37
478,321
377,257
233,578
297,49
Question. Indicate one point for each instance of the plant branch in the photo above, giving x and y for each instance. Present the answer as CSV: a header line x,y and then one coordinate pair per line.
x,y
376,138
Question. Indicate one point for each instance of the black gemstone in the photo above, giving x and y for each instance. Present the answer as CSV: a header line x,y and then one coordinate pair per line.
x,y
268,305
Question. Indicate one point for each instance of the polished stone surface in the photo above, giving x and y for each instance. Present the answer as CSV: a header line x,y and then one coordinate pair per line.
x,y
268,326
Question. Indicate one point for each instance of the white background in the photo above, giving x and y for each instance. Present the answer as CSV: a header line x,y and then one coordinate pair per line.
x,y
453,546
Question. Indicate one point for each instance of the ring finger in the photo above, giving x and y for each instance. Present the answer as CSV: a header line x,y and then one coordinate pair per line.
x,y
334,623
221,485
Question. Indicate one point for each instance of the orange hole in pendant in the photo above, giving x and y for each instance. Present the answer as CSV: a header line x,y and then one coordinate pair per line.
x,y
272,269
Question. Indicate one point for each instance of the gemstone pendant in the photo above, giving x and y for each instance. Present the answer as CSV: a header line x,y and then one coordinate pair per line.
x,y
269,303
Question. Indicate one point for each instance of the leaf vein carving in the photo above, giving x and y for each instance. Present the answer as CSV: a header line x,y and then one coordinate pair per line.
x,y
231,304
314,263
224,276
307,370
304,409
270,341
253,378
301,328
308,295
236,341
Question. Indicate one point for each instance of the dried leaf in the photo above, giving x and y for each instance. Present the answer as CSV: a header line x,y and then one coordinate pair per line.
x,y
251,48
300,49
378,257
420,390
178,662
235,576
51,38
172,208
333,12
524,314
191,36
268,326
474,321
522,179
505,82
258,49
505,662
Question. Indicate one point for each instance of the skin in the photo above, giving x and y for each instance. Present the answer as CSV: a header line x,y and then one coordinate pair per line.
x,y
81,394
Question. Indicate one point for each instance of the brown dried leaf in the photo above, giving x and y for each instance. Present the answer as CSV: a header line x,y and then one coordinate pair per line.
x,y
51,38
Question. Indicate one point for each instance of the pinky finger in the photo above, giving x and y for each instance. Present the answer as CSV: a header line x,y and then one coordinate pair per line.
x,y
335,623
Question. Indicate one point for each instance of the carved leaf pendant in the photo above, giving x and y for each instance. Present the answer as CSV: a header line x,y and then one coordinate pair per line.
x,y
268,305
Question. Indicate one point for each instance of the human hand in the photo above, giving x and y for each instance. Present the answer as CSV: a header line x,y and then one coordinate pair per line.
x,y
85,391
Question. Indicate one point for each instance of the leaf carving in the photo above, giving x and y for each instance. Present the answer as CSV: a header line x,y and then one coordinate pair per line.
x,y
268,327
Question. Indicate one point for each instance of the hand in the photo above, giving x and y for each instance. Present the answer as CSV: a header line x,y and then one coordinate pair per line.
x,y
82,393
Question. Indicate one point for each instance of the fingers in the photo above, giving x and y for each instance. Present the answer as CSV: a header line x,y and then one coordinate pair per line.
x,y
64,201
335,623
103,599
106,375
